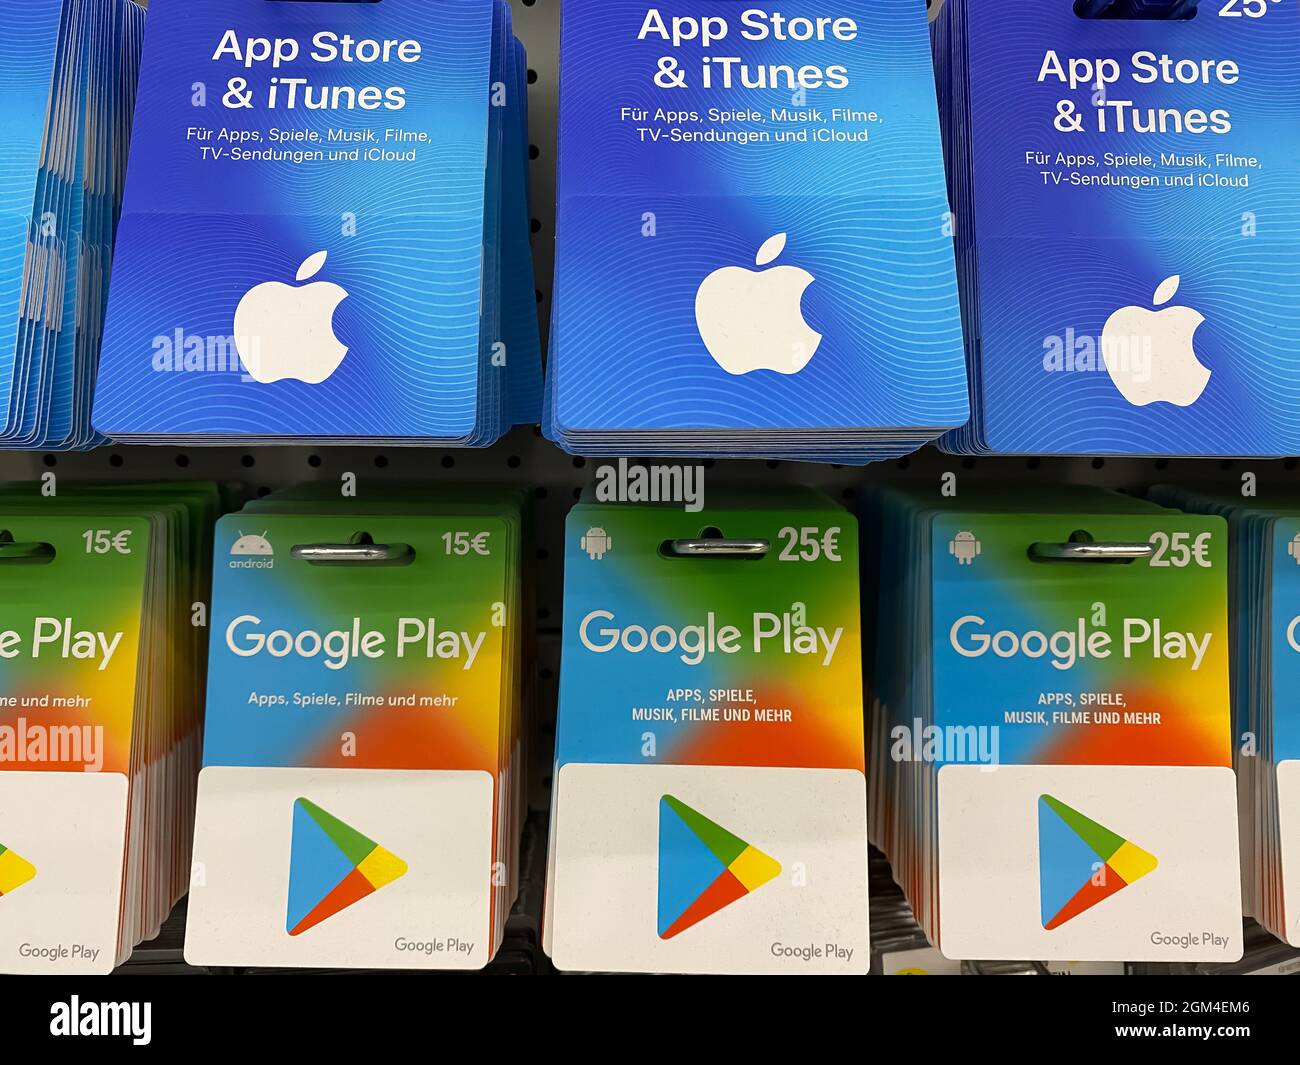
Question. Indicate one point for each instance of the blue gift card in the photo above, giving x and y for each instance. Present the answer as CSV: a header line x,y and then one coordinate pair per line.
x,y
752,233
311,237
1129,230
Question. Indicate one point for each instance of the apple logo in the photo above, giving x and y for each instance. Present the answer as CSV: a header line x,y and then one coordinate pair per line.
x,y
752,319
1150,354
287,331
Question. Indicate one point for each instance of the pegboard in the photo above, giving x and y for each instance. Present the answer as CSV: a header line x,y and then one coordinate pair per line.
x,y
524,458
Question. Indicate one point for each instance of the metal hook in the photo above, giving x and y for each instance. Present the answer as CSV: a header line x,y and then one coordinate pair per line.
x,y
361,550
1082,548
717,547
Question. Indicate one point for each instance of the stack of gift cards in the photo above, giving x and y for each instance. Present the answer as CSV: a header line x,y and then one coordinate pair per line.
x,y
708,812
65,108
100,716
325,232
1265,612
360,800
752,248
1050,743
1123,174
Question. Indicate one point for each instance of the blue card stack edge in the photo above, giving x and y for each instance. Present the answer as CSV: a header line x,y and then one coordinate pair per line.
x,y
69,87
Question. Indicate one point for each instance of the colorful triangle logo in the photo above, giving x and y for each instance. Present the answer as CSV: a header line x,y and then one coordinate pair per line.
x,y
15,870
702,867
1081,863
331,866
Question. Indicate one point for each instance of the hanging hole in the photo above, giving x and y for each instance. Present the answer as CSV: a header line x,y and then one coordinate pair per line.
x,y
13,553
1137,10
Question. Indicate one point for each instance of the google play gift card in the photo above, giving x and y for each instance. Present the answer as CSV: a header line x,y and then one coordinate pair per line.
x,y
706,869
337,867
62,848
1089,862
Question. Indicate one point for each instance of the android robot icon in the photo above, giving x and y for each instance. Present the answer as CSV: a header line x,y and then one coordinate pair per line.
x,y
964,548
252,544
1293,548
597,542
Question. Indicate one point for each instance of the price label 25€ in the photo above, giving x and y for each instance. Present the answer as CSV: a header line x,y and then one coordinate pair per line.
x,y
809,544
1181,549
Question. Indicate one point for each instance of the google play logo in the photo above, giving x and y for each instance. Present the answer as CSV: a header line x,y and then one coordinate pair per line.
x,y
1081,863
331,867
702,867
15,870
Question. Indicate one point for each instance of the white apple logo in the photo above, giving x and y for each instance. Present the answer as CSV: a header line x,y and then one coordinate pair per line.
x,y
752,319
287,331
1150,354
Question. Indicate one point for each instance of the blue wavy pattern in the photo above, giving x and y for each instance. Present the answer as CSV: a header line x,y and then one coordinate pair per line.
x,y
196,236
865,220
